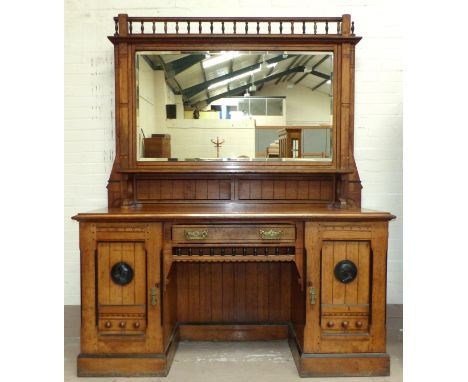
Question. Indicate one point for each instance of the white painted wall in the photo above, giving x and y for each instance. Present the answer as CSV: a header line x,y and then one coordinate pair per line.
x,y
303,106
89,104
270,120
192,137
146,116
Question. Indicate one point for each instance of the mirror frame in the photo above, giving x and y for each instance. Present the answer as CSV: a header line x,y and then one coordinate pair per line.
x,y
147,163
127,43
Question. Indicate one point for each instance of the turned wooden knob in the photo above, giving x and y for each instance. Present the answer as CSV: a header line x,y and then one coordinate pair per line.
x,y
122,324
330,324
108,324
136,325
358,324
345,324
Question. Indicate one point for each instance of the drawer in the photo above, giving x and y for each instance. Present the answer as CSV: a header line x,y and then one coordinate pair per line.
x,y
121,325
240,233
345,324
122,319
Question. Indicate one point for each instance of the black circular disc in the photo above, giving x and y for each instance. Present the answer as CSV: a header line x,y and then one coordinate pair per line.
x,y
122,273
345,271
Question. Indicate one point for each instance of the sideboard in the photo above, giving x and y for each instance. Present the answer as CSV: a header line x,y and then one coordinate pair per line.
x,y
233,249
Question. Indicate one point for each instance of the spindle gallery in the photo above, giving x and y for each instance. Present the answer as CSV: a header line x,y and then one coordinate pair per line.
x,y
257,234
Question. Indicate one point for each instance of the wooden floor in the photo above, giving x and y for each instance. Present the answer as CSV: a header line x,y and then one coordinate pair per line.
x,y
238,361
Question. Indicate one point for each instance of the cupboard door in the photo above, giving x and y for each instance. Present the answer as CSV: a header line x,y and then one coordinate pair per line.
x,y
121,286
125,314
346,276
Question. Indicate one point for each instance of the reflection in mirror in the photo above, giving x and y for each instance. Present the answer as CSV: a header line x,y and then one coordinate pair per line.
x,y
234,105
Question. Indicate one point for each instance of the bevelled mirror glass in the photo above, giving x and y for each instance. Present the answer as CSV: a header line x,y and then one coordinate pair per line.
x,y
234,105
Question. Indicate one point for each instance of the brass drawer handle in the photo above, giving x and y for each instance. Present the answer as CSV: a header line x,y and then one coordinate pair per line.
x,y
195,235
271,234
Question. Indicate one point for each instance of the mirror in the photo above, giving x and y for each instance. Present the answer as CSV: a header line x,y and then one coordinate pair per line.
x,y
234,105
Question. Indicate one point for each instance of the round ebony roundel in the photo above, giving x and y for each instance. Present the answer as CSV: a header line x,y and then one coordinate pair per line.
x,y
122,273
345,271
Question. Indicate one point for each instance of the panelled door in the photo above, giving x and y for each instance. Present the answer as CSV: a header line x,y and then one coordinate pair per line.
x,y
346,275
121,287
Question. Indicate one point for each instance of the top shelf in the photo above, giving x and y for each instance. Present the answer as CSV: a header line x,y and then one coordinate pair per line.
x,y
195,167
233,211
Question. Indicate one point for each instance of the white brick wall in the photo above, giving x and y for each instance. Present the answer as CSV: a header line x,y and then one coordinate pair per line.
x,y
89,104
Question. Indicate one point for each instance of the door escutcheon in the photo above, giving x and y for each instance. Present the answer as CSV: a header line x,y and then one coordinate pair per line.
x,y
313,295
154,295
